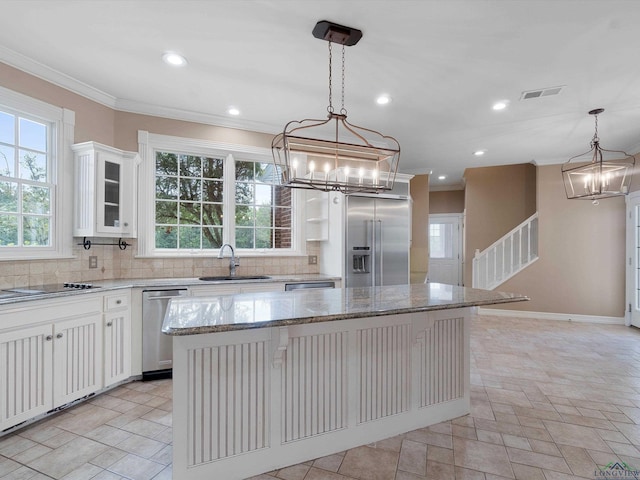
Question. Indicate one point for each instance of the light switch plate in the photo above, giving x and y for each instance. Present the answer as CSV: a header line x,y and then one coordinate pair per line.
x,y
93,261
313,259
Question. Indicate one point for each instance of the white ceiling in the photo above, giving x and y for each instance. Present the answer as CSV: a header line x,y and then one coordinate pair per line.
x,y
444,63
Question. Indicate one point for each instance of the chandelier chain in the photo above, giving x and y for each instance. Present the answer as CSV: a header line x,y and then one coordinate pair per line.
x,y
343,110
330,107
595,134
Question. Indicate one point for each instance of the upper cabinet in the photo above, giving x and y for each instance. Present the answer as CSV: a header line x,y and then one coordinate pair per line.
x,y
105,183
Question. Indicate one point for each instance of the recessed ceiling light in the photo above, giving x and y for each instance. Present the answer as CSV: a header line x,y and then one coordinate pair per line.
x,y
383,99
501,105
479,153
174,59
233,111
442,177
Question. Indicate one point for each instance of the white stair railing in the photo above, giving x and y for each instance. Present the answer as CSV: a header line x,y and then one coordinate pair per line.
x,y
507,256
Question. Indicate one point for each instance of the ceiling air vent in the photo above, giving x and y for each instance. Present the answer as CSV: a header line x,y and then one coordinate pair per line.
x,y
543,92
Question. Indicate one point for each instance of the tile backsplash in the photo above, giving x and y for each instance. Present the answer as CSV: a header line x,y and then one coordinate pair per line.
x,y
114,263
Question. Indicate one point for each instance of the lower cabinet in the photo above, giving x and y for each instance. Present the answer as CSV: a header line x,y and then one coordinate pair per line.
x,y
53,352
77,358
117,338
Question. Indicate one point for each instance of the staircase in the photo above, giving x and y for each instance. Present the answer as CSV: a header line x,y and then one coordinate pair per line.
x,y
507,256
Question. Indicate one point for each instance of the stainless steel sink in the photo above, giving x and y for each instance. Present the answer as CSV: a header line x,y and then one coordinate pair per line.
x,y
236,277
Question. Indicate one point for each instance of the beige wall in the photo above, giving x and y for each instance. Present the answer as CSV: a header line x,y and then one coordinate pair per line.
x,y
419,188
120,129
450,201
581,268
496,200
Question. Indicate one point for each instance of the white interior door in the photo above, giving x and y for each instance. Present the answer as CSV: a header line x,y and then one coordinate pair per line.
x,y
633,260
445,246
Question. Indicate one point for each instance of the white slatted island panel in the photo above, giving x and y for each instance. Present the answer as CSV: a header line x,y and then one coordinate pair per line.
x,y
253,400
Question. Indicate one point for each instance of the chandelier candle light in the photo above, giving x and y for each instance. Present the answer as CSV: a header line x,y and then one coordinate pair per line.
x,y
333,154
607,173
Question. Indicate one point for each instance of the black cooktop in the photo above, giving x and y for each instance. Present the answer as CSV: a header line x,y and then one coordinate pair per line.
x,y
45,289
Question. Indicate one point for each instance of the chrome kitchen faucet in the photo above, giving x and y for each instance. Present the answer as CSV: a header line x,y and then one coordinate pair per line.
x,y
233,262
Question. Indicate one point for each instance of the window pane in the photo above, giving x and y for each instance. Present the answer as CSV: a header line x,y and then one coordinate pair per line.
x,y
35,231
190,189
244,171
264,217
33,166
264,194
212,190
212,214
264,238
189,213
8,230
189,237
35,199
7,128
212,167
244,193
166,163
211,237
7,161
244,216
166,237
190,166
244,238
167,187
441,240
167,212
33,135
8,197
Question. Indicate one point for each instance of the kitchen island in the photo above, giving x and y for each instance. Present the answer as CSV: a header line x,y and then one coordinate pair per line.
x,y
262,381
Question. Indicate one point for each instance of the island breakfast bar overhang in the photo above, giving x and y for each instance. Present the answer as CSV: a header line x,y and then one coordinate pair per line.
x,y
266,380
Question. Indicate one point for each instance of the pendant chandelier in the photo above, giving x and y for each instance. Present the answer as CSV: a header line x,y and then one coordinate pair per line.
x,y
598,173
333,154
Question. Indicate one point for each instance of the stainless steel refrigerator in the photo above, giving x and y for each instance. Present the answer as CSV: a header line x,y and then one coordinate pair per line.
x,y
377,241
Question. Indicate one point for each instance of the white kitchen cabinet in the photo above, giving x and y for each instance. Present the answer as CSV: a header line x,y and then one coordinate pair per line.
x,y
55,351
105,183
77,357
26,374
117,337
317,215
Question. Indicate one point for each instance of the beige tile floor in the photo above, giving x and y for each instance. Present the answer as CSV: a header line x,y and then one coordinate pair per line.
x,y
550,401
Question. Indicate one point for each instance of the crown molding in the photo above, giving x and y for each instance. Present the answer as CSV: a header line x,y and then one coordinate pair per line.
x,y
133,106
51,75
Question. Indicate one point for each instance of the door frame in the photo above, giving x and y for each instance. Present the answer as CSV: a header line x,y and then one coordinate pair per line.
x,y
460,222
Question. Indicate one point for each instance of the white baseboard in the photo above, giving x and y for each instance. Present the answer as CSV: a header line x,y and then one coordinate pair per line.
x,y
565,317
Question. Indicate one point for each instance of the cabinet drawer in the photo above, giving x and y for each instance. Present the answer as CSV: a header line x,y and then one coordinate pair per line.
x,y
113,302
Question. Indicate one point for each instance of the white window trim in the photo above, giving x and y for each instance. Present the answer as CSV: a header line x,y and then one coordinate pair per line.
x,y
62,195
149,143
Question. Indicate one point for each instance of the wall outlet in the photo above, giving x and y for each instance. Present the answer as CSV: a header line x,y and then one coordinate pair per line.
x,y
93,261
313,259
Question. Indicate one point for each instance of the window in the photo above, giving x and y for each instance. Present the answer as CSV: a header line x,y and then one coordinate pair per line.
x,y
33,138
206,194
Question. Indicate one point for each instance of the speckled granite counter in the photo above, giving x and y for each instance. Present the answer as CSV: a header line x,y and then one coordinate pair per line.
x,y
197,315
266,380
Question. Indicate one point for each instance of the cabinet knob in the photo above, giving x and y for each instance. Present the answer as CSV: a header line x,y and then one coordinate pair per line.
x,y
59,335
48,338
118,302
109,324
126,224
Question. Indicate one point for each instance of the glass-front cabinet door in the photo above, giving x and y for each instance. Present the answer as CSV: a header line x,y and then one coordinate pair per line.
x,y
104,204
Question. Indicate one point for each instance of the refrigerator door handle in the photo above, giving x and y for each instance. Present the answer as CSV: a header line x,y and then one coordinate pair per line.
x,y
379,274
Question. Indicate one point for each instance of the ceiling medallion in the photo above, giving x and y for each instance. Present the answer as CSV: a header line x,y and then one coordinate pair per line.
x,y
598,173
333,154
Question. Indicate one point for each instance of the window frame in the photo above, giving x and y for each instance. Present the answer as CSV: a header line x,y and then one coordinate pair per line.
x,y
61,124
150,143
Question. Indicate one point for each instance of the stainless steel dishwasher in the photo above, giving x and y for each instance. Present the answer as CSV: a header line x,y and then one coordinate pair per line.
x,y
310,284
157,348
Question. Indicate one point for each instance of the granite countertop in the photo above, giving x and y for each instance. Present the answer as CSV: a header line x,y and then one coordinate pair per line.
x,y
197,315
106,285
